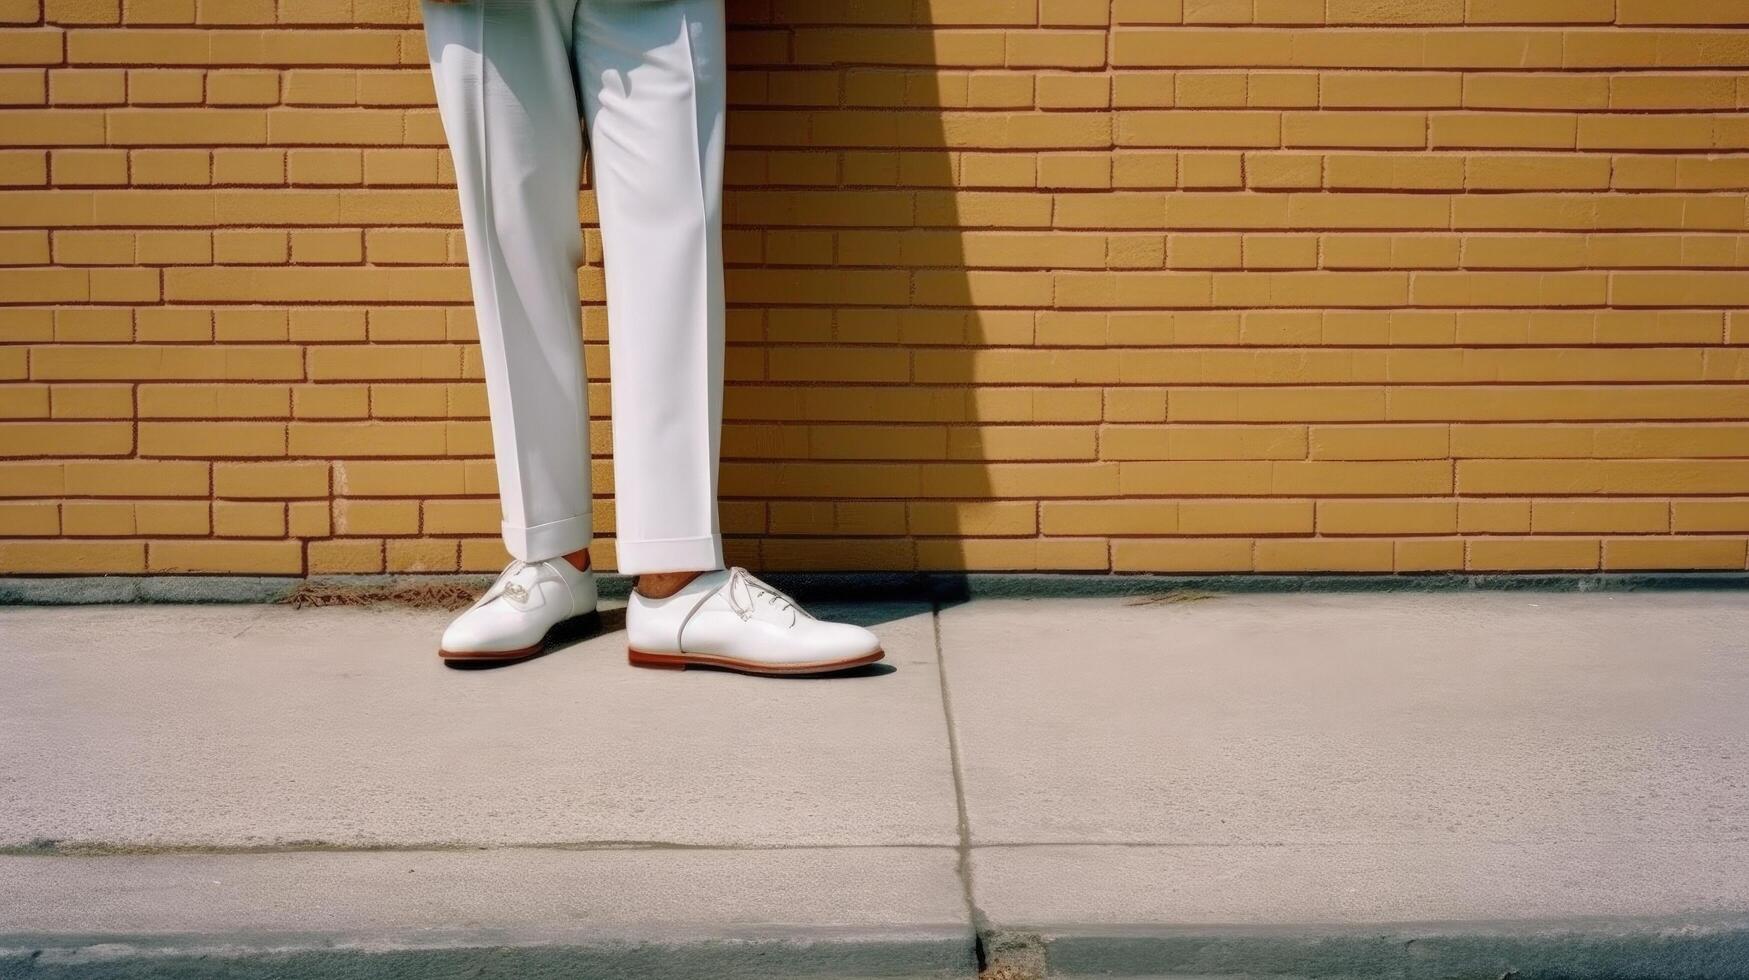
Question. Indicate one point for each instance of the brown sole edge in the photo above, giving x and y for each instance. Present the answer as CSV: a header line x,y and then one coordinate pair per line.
x,y
681,661
521,654
558,629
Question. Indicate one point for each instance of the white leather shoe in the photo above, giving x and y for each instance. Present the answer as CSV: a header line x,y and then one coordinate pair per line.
x,y
728,618
512,620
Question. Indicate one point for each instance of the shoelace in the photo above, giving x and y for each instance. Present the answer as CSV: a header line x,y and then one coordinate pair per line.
x,y
753,586
515,583
749,584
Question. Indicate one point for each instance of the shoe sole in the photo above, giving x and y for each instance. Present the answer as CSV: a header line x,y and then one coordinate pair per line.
x,y
556,631
681,661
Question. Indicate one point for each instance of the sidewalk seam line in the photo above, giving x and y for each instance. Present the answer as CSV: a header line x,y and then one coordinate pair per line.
x,y
963,866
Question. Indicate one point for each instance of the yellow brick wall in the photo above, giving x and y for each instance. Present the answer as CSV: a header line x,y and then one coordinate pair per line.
x,y
1139,285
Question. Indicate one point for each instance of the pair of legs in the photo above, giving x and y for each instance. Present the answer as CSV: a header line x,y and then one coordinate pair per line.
x,y
521,85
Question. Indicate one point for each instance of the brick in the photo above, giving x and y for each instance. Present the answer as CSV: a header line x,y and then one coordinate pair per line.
x,y
1182,555
31,518
1397,130
65,557
1517,91
1533,554
270,480
1494,130
258,557
1429,555
1390,90
1246,517
1379,442
173,517
1673,553
1393,172
123,478
345,555
1686,90
1282,89
1128,517
1183,128
864,554
1321,554
1664,132
982,519
1526,172
91,401
1056,49
1593,516
461,517
1284,171
376,517
233,519
1691,516
142,362
212,439
1394,11
1690,12
99,518
1624,48
1153,48
1543,11
420,556
1376,517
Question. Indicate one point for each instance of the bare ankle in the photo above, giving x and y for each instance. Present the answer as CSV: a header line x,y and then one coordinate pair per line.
x,y
661,585
579,559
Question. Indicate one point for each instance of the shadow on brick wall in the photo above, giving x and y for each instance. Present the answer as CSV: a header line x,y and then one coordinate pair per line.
x,y
854,435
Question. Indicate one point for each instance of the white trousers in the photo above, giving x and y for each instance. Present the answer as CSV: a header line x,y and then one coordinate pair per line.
x,y
520,85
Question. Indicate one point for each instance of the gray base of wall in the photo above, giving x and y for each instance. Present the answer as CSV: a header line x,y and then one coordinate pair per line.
x,y
940,586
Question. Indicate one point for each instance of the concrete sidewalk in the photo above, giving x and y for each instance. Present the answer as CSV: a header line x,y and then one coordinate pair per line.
x,y
1371,785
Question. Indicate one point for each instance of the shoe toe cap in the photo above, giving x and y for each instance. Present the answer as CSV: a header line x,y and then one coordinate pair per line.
x,y
464,635
482,631
846,640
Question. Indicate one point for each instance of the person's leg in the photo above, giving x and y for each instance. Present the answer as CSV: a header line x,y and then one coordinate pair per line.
x,y
651,77
507,98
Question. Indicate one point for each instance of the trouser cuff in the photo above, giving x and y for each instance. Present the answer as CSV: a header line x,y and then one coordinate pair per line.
x,y
549,540
670,555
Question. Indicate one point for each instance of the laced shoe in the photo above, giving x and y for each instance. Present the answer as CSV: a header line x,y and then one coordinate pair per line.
x,y
729,618
513,618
